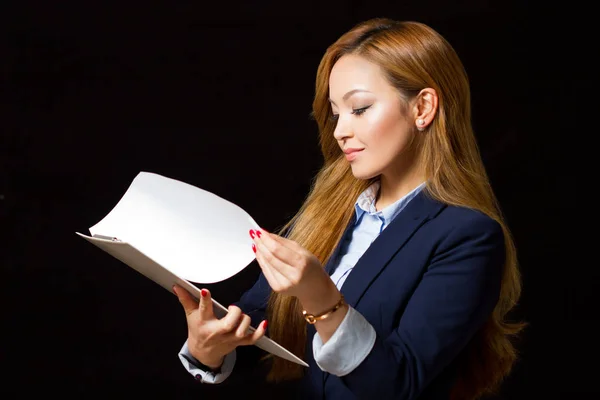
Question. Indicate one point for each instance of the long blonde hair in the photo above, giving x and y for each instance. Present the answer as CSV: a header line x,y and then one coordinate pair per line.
x,y
413,56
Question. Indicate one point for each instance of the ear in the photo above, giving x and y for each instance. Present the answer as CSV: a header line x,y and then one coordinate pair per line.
x,y
426,104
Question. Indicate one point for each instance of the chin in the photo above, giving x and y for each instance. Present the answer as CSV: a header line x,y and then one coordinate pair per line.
x,y
363,174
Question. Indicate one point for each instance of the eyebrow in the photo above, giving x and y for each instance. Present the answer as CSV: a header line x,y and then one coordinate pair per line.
x,y
350,93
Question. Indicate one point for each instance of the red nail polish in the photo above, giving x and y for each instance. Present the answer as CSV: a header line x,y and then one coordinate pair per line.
x,y
253,248
203,292
265,324
258,233
252,233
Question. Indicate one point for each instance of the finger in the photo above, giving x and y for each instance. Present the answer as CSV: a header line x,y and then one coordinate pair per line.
x,y
231,321
257,334
187,301
242,329
288,252
285,261
206,305
276,280
290,244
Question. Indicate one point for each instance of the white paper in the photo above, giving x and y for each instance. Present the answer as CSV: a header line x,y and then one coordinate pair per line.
x,y
193,233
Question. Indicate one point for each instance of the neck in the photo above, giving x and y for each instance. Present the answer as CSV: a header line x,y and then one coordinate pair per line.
x,y
397,184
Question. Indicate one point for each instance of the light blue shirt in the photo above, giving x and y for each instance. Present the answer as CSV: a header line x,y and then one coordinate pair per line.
x,y
354,338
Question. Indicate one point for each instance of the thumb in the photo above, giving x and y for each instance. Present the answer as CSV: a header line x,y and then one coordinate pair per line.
x,y
187,301
206,305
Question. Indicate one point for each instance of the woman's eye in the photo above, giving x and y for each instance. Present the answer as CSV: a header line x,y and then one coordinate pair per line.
x,y
356,111
360,111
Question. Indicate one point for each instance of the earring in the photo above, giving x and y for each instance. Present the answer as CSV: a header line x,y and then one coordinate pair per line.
x,y
419,123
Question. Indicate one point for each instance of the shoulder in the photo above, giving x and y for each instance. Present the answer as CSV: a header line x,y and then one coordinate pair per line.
x,y
461,229
467,221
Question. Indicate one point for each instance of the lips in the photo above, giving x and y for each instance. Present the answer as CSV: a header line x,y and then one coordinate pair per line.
x,y
351,154
350,151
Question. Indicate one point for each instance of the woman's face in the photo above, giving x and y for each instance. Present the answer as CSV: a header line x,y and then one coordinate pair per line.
x,y
371,118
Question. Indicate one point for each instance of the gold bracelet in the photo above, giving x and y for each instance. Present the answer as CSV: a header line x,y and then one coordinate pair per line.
x,y
311,318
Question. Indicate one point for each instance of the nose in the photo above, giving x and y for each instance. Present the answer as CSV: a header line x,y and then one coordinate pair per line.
x,y
342,130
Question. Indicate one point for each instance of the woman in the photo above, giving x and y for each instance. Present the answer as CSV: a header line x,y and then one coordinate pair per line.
x,y
394,279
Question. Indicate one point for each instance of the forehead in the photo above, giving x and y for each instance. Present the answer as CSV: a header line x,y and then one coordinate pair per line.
x,y
354,72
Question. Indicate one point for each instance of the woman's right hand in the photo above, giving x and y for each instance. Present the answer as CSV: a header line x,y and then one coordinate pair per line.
x,y
210,339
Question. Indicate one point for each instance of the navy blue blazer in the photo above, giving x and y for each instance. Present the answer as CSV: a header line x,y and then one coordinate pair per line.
x,y
427,284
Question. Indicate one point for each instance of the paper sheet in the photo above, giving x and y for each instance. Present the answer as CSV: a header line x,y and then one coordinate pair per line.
x,y
193,233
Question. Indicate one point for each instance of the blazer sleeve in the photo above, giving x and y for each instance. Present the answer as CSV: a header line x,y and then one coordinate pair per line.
x,y
456,295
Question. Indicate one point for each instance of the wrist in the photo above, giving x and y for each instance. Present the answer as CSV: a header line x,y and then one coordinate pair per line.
x,y
207,363
314,318
317,290
321,301
212,365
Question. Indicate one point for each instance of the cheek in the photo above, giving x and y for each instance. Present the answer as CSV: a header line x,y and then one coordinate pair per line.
x,y
386,127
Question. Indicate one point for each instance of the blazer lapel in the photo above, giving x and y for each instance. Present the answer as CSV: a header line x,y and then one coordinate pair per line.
x,y
387,244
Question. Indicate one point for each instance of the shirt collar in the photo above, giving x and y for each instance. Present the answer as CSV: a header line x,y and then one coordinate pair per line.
x,y
366,203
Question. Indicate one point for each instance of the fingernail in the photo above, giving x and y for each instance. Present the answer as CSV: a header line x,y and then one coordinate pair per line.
x,y
265,324
253,248
252,234
174,290
203,292
258,233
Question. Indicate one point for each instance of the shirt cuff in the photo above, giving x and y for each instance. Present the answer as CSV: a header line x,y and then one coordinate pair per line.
x,y
191,364
348,346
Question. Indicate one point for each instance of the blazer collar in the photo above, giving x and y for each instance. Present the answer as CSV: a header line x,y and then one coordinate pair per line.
x,y
418,211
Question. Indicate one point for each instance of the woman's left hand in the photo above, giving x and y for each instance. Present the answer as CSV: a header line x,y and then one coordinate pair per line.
x,y
288,267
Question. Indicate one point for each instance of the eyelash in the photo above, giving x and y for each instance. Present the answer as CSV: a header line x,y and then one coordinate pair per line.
x,y
358,112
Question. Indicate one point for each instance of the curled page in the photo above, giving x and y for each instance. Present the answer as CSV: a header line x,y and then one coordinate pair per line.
x,y
189,231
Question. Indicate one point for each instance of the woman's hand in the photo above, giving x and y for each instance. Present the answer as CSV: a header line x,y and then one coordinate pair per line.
x,y
211,339
291,269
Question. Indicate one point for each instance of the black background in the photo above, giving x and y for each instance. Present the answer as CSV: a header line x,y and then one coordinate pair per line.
x,y
219,95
